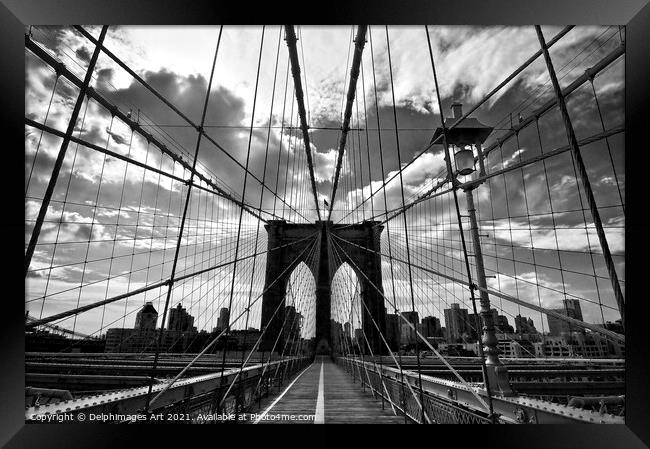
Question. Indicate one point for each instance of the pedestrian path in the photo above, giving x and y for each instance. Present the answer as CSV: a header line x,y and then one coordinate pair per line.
x,y
325,394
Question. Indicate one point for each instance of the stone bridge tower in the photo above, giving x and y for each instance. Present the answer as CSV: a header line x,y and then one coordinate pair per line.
x,y
287,257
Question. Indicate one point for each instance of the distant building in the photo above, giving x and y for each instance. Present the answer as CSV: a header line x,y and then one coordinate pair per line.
x,y
147,317
589,345
292,323
246,339
524,325
501,323
577,344
557,326
407,334
180,320
144,336
616,326
347,331
553,346
456,320
359,338
224,319
431,327
392,331
336,334
510,347
458,349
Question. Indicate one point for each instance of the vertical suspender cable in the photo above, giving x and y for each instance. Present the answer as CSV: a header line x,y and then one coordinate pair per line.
x,y
295,71
381,160
406,232
584,178
62,151
453,181
359,43
241,211
180,232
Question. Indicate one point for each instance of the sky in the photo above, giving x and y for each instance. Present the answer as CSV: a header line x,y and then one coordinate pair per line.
x,y
142,212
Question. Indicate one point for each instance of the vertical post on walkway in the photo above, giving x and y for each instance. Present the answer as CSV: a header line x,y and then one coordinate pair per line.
x,y
584,178
497,374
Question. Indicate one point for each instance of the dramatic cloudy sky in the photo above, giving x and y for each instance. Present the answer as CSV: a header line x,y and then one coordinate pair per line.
x,y
176,61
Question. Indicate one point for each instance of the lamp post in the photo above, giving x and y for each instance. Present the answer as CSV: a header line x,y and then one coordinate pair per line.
x,y
463,138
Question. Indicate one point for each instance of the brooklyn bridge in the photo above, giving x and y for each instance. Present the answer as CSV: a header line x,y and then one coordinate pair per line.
x,y
285,224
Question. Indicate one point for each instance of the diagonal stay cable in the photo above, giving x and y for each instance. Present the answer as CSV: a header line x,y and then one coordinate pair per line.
x,y
489,95
46,57
359,42
290,37
397,363
592,327
435,351
188,198
259,338
137,291
200,129
214,340
415,396
84,87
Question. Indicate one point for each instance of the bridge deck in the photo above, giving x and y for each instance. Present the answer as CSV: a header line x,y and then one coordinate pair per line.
x,y
326,393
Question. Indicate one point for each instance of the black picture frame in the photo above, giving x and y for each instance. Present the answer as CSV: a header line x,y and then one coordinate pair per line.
x,y
635,14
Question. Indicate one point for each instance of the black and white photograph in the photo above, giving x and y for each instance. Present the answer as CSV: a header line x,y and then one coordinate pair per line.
x,y
325,224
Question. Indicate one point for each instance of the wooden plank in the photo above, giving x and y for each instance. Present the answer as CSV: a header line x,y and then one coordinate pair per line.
x,y
344,400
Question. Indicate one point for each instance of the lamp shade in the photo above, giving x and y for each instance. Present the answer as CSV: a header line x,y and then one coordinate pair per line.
x,y
464,161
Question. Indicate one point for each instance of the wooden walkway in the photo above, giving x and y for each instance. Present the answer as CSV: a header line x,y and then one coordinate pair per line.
x,y
325,394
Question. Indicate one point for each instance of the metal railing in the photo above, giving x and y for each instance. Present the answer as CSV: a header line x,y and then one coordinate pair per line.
x,y
192,398
449,402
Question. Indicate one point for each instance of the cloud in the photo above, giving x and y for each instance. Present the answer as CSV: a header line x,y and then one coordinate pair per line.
x,y
324,165
117,138
83,54
470,62
417,177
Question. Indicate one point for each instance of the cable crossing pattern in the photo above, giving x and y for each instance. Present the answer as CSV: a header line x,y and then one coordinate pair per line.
x,y
443,245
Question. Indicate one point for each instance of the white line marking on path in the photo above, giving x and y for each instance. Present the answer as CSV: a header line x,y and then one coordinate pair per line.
x,y
320,403
280,397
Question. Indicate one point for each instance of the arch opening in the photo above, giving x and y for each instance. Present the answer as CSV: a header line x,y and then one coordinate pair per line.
x,y
299,313
347,311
